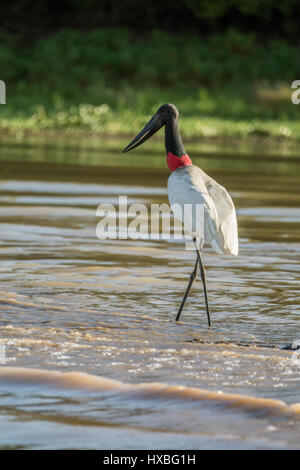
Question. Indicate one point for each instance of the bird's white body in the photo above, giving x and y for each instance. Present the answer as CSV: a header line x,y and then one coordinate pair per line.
x,y
190,185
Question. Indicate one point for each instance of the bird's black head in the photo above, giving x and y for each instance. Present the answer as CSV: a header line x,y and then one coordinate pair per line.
x,y
167,112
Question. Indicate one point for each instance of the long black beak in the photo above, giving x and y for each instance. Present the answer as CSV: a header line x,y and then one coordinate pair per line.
x,y
155,123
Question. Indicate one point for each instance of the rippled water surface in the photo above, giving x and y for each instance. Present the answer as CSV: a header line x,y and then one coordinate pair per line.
x,y
94,358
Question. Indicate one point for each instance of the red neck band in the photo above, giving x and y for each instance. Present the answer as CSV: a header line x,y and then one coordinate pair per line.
x,y
174,162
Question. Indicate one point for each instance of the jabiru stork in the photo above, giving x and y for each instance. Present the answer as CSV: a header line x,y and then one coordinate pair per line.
x,y
188,184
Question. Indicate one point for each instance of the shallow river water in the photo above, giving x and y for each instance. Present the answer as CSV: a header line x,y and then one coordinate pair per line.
x,y
93,357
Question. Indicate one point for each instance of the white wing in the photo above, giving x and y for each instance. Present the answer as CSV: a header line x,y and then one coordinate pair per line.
x,y
190,185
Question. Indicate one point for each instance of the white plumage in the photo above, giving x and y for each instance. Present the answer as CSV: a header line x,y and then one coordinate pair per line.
x,y
190,185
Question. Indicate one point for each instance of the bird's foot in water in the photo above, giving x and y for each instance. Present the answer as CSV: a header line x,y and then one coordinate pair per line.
x,y
294,346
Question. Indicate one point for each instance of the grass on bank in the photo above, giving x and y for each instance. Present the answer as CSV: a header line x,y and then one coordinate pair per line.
x,y
108,82
204,114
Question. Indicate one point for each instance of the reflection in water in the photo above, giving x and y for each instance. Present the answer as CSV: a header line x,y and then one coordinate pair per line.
x,y
70,302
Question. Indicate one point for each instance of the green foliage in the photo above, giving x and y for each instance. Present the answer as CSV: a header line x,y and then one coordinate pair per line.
x,y
73,64
108,81
115,56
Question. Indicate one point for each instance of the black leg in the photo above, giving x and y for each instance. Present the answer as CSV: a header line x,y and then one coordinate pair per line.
x,y
203,277
193,275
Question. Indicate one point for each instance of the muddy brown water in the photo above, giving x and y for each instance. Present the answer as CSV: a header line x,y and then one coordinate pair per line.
x,y
93,356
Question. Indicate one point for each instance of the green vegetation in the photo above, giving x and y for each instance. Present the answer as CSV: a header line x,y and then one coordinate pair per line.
x,y
108,81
